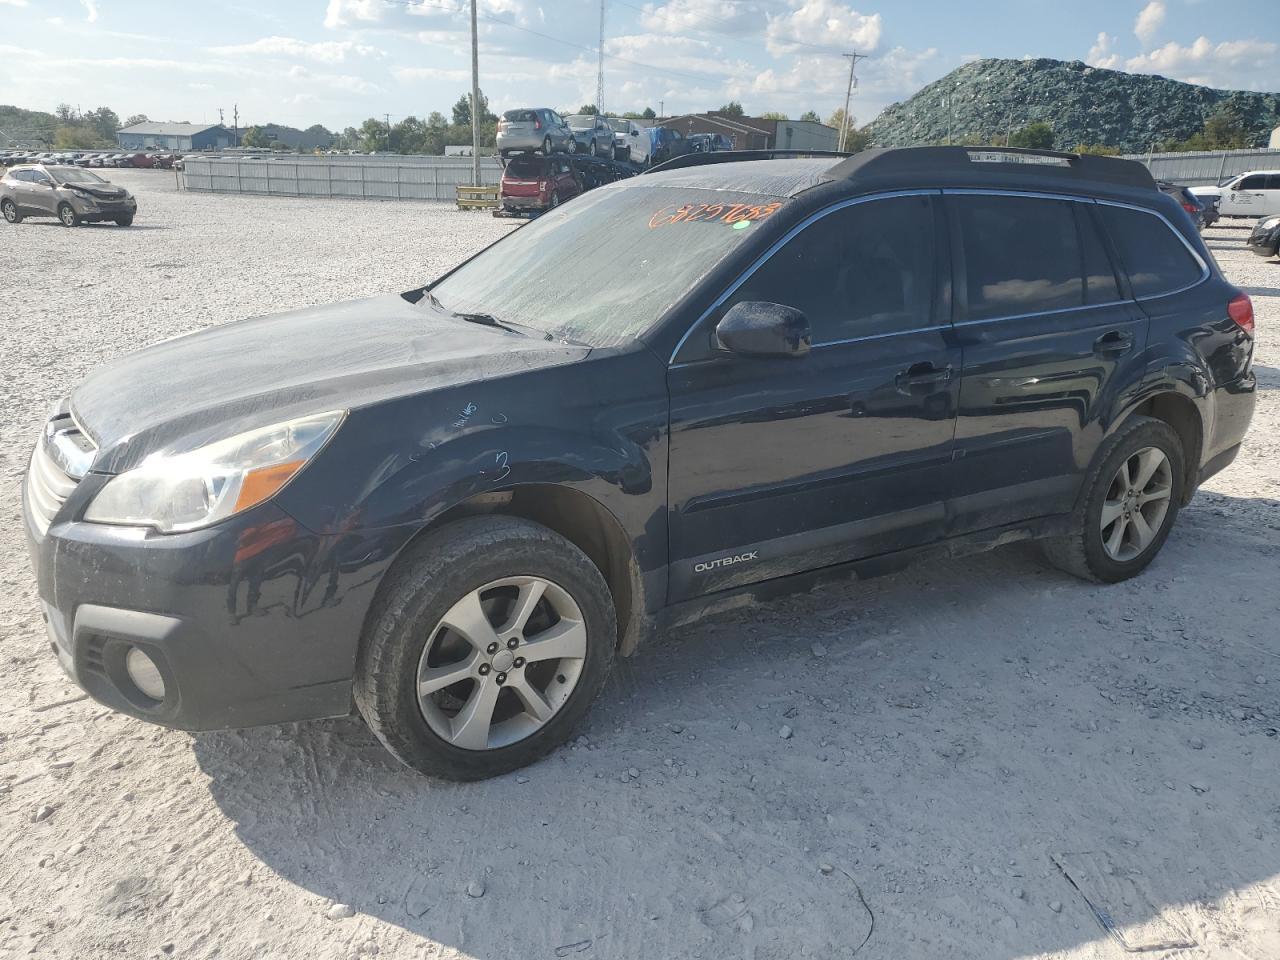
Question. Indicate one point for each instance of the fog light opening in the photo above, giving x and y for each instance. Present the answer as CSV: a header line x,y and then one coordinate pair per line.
x,y
144,673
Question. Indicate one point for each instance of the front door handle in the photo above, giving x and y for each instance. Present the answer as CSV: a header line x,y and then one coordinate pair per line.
x,y
922,374
1113,344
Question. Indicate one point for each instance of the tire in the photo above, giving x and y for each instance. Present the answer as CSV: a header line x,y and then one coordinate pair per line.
x,y
555,201
124,221
67,214
1091,551
10,211
546,147
572,146
447,572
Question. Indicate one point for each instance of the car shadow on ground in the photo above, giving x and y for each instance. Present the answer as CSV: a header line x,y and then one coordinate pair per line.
x,y
950,732
1268,377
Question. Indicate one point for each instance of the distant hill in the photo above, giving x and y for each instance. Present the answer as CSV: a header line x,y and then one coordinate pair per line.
x,y
1083,105
21,125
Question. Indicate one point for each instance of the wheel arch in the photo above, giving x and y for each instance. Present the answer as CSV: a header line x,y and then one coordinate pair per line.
x,y
582,520
1181,413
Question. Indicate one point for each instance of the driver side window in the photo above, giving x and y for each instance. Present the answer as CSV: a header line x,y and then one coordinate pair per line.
x,y
861,271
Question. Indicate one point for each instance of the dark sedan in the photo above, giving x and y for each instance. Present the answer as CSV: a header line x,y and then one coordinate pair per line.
x,y
1265,239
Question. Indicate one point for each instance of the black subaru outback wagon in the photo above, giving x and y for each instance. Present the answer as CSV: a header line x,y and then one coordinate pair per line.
x,y
456,505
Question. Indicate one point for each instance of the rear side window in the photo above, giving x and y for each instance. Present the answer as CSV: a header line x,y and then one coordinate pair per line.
x,y
1022,255
1155,257
1273,181
864,270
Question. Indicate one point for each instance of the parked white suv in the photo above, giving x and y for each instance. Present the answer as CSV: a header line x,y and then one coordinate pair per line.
x,y
1253,194
630,141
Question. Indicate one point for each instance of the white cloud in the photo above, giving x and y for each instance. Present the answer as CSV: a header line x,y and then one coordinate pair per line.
x,y
825,23
1150,20
90,10
13,3
331,51
1223,64
1102,53
716,16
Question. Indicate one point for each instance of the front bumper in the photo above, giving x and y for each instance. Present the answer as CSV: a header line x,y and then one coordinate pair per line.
x,y
255,620
92,211
1265,243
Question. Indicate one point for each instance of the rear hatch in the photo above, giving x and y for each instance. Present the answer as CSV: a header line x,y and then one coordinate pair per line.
x,y
523,176
520,123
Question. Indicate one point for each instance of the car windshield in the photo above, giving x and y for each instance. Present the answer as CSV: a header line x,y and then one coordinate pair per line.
x,y
77,175
607,267
580,121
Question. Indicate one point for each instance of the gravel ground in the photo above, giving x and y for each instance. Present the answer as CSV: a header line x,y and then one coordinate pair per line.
x,y
882,768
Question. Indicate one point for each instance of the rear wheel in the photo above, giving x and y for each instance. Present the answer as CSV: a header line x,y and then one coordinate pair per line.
x,y
1128,507
546,147
487,645
124,221
573,145
67,215
10,211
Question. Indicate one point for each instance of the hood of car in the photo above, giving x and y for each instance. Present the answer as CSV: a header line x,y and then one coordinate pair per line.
x,y
213,384
103,191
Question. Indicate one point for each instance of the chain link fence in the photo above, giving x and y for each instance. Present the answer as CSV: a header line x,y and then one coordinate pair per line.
x,y
368,178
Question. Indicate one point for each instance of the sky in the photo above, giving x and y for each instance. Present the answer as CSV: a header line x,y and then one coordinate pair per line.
x,y
337,62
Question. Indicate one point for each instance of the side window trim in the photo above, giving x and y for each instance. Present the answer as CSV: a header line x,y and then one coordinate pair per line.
x,y
781,242
1205,272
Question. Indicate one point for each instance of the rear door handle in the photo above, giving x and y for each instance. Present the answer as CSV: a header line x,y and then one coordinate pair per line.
x,y
1113,344
921,374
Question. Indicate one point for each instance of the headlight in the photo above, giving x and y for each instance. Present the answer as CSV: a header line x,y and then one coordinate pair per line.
x,y
187,491
1271,223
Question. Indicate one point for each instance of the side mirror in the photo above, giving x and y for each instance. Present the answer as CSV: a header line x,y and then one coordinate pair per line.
x,y
757,328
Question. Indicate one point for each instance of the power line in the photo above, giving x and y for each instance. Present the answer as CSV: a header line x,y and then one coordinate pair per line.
x,y
554,39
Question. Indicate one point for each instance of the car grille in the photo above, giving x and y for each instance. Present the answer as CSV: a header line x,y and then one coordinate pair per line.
x,y
58,463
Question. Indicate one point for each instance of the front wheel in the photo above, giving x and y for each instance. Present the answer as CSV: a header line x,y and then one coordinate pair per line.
x,y
124,221
10,211
572,145
485,647
67,215
1128,506
546,147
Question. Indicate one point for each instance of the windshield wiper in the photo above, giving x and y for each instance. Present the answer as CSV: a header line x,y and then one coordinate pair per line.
x,y
487,320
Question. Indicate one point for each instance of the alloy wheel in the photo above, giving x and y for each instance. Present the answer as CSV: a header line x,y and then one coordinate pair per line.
x,y
501,663
67,215
10,211
1136,504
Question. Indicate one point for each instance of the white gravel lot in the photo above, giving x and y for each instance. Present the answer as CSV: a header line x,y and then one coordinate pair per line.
x,y
953,727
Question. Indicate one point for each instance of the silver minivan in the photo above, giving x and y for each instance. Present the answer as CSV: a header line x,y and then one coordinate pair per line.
x,y
537,129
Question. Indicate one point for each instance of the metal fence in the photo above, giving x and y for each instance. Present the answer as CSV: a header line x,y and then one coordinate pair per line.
x,y
369,178
1208,168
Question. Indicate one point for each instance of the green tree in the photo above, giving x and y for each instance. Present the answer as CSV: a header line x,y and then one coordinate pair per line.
x,y
811,115
373,135
104,121
75,138
589,109
648,114
774,115
136,119
254,137
732,109
1224,130
1034,136
462,110
66,113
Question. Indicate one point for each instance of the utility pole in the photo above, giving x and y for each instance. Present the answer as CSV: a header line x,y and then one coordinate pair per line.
x,y
662,109
387,116
600,68
848,94
235,120
475,99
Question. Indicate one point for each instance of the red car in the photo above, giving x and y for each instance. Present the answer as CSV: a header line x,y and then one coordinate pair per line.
x,y
140,160
532,183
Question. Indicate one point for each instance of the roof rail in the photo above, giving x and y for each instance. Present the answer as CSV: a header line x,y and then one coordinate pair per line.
x,y
940,161
736,156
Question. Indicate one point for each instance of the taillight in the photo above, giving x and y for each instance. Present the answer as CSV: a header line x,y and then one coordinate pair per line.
x,y
1190,207
1240,309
